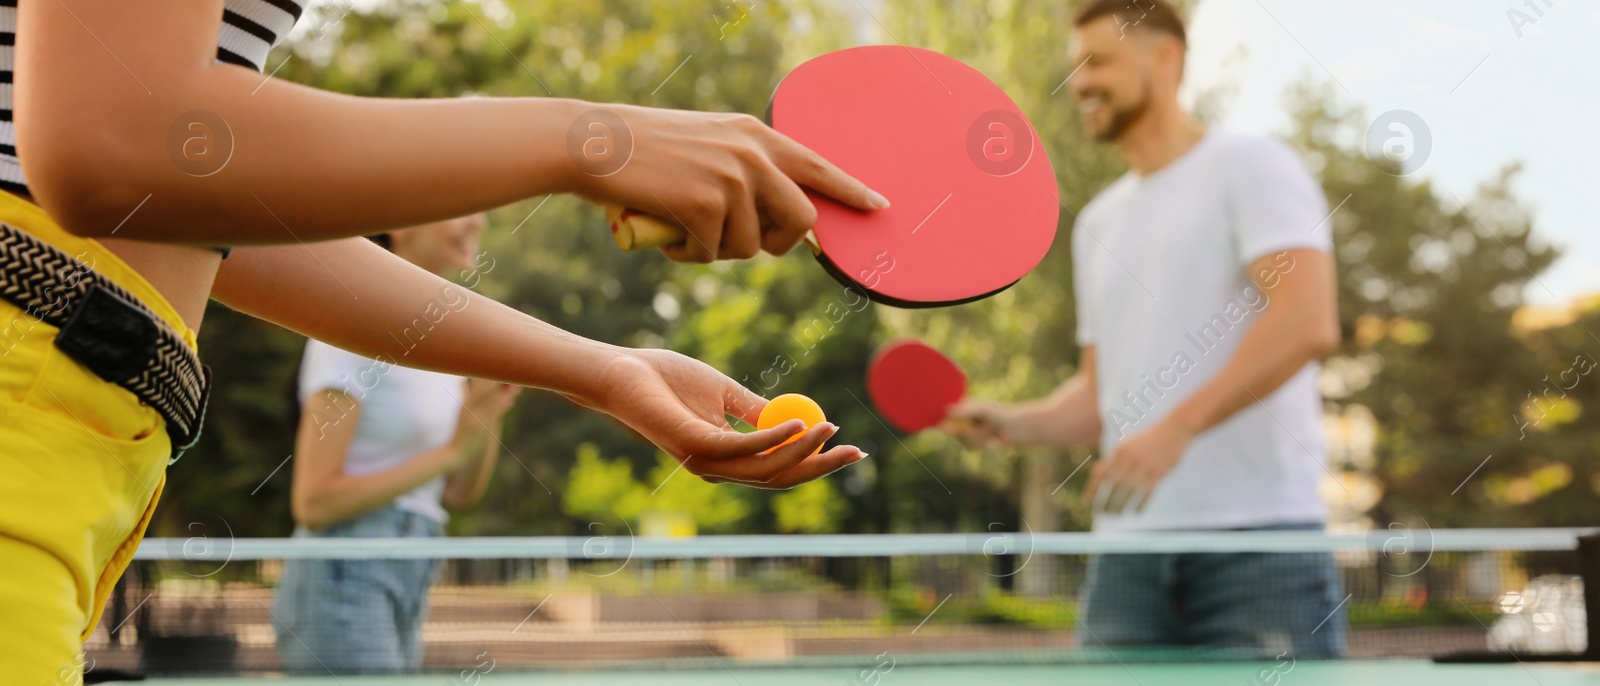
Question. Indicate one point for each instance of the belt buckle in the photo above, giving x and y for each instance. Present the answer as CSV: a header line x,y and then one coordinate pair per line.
x,y
109,334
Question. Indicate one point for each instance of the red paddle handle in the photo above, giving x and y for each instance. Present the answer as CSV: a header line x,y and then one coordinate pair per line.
x,y
634,230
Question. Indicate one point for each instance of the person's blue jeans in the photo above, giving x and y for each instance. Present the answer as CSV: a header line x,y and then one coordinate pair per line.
x,y
356,616
1271,603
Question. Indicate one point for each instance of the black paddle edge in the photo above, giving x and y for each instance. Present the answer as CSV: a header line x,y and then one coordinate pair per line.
x,y
882,299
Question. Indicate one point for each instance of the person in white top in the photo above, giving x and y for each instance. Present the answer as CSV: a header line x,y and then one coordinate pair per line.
x,y
1205,294
381,450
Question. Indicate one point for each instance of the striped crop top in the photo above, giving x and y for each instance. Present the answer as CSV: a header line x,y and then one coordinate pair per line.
x,y
250,28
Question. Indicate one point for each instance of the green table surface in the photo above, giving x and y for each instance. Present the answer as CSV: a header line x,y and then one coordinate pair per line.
x,y
1332,673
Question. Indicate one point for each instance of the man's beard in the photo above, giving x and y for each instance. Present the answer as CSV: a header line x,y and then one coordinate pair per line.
x,y
1123,117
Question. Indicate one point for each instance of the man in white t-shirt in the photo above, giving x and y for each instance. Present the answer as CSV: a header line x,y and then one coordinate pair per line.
x,y
1205,292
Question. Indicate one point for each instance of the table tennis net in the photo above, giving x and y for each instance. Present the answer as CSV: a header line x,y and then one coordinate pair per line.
x,y
207,606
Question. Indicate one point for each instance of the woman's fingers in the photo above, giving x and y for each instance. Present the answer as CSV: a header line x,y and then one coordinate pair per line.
x,y
760,468
809,169
680,404
791,210
725,444
704,240
818,466
810,469
718,175
741,236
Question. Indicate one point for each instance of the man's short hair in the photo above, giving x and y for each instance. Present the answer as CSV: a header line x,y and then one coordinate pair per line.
x,y
1152,15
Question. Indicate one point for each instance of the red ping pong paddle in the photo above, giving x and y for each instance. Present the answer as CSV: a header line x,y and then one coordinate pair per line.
x,y
973,195
913,385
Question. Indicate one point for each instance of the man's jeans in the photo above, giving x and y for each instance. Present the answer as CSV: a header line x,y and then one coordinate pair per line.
x,y
1267,602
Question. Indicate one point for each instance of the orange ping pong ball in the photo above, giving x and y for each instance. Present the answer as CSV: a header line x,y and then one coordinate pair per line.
x,y
791,406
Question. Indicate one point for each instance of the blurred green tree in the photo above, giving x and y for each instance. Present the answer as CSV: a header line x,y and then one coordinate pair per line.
x,y
1428,286
602,491
1556,482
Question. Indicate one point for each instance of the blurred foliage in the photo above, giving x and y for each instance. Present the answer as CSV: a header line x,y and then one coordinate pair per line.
x,y
1553,474
1428,286
910,604
603,492
810,508
1434,614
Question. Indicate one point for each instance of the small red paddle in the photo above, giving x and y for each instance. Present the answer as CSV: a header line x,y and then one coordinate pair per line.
x,y
973,196
913,385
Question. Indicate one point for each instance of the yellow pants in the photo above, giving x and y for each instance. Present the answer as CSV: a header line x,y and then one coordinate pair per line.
x,y
82,463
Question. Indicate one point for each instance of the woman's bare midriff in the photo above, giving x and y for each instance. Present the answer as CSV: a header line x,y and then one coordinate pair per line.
x,y
181,273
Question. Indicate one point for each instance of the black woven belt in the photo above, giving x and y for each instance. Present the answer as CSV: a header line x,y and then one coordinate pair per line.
x,y
108,330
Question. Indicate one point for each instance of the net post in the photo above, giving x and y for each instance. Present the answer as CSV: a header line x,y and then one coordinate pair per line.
x,y
1588,558
1589,571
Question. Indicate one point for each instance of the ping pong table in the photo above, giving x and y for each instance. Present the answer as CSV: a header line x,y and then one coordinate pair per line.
x,y
756,611
1321,673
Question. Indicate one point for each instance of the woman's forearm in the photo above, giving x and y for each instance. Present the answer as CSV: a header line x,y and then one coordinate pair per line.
x,y
309,165
127,125
357,296
333,500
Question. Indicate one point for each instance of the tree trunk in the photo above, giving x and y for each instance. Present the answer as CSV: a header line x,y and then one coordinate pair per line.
x,y
1040,471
